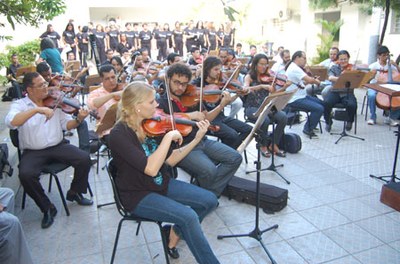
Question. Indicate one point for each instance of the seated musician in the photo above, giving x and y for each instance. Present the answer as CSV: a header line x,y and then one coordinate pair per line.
x,y
229,65
346,97
55,81
279,66
12,77
258,89
212,163
41,141
381,67
332,60
300,99
119,67
196,57
145,185
104,97
232,131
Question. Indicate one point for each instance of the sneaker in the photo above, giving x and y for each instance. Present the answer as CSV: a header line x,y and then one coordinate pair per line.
x,y
391,122
311,134
371,122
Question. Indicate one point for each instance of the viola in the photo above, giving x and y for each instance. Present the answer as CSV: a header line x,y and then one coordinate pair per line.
x,y
160,124
58,99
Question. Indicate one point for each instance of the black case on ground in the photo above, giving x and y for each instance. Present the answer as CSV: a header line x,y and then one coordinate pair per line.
x,y
272,198
290,142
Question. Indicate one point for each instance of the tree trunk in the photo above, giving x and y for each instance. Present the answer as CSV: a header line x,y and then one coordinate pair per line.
x,y
385,22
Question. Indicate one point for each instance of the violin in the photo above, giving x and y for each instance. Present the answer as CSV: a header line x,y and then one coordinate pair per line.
x,y
278,79
160,124
66,84
58,99
211,94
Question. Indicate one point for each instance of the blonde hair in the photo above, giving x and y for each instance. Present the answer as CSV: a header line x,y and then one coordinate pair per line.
x,y
134,94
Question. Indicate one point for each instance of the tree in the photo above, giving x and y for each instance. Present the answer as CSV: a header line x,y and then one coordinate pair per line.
x,y
367,6
327,39
29,12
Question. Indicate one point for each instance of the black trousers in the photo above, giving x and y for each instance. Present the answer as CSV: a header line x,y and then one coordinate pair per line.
x,y
348,100
33,161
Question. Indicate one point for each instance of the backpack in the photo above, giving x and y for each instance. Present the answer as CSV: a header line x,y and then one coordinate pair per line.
x,y
5,167
9,94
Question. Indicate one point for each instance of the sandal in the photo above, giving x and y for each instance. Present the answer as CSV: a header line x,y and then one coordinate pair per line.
x,y
266,154
280,153
172,252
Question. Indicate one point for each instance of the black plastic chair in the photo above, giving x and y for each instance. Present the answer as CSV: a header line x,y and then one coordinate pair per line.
x,y
298,110
53,169
126,215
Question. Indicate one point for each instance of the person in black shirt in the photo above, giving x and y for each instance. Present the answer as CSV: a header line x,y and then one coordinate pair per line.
x,y
68,36
190,36
200,32
113,37
100,42
212,37
145,38
53,35
12,77
130,36
177,39
83,45
161,36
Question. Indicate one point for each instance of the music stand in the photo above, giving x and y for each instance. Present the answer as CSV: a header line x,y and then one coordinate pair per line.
x,y
319,71
276,103
393,175
109,119
347,82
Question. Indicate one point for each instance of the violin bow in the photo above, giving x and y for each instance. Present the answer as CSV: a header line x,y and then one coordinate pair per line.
x,y
201,89
171,110
230,78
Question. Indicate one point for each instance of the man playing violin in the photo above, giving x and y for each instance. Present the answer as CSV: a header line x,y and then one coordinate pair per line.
x,y
300,99
212,163
381,67
346,98
257,90
41,141
107,95
232,131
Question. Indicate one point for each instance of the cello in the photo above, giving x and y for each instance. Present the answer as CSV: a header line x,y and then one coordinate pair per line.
x,y
385,101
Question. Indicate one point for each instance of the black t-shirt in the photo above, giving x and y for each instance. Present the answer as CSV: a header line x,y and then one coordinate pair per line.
x,y
100,36
130,36
69,37
177,35
54,36
113,34
145,37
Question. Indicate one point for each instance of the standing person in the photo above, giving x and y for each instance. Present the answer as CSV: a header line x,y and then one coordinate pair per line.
x,y
231,131
177,39
146,188
51,34
212,163
130,36
113,37
51,55
83,44
136,35
101,42
13,246
145,39
12,77
211,36
161,37
40,131
300,99
332,60
381,67
190,36
68,37
258,89
228,36
346,98
201,37
221,35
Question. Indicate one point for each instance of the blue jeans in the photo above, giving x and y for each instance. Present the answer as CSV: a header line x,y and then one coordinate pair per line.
x,y
185,205
213,164
394,114
316,107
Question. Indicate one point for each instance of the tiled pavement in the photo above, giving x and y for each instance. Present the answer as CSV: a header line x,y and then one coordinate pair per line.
x,y
333,215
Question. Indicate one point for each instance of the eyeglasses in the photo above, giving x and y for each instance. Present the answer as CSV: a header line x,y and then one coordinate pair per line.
x,y
41,86
178,83
262,64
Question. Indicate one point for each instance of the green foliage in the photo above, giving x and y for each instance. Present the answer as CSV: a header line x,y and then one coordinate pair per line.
x,y
29,12
26,53
366,5
229,11
331,29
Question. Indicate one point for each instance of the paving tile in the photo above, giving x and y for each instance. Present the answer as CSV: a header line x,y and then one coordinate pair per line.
x,y
303,200
344,260
381,254
382,227
280,251
324,217
329,194
356,187
355,209
236,258
291,225
395,245
325,251
352,238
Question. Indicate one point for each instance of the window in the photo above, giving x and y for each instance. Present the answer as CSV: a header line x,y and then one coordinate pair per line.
x,y
395,22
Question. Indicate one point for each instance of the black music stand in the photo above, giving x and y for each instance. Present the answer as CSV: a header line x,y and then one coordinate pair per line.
x,y
393,175
276,104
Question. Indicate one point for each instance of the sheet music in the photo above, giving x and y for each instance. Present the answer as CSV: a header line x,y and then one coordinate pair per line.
x,y
395,87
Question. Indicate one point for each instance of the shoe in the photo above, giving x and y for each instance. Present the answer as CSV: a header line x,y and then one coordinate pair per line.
x,y
349,126
393,122
266,154
310,134
172,252
280,153
48,217
328,127
78,197
371,122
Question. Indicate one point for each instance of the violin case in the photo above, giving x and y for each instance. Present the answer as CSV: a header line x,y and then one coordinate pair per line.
x,y
272,198
290,142
390,195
